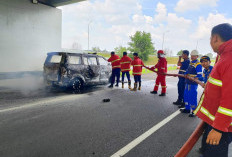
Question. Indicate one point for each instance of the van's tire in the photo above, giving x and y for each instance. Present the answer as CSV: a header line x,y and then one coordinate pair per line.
x,y
77,85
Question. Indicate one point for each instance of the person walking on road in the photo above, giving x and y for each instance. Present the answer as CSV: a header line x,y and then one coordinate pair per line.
x,y
137,64
215,106
190,94
161,67
115,62
181,83
125,68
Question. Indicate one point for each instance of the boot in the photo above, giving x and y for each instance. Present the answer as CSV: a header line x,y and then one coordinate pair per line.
x,y
135,87
122,84
177,102
116,85
162,94
139,86
129,84
111,86
153,92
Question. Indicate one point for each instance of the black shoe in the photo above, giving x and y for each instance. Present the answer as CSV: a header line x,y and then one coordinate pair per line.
x,y
192,115
153,92
162,94
181,106
177,102
116,85
111,86
183,110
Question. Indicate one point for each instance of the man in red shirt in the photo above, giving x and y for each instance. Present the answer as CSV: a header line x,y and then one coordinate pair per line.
x,y
125,68
161,66
115,62
137,64
215,106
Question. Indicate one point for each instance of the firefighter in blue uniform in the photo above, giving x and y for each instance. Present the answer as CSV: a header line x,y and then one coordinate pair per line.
x,y
190,93
205,62
181,83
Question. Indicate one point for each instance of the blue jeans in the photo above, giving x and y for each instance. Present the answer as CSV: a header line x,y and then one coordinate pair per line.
x,y
220,150
127,75
137,78
115,73
190,96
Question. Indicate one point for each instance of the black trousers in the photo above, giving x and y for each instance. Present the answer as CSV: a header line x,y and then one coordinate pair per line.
x,y
220,150
181,87
115,73
137,78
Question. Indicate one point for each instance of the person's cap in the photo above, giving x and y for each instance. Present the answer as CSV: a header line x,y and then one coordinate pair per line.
x,y
204,58
160,52
112,52
194,53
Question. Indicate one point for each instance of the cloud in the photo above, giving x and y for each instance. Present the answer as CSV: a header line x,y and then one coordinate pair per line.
x,y
206,24
186,5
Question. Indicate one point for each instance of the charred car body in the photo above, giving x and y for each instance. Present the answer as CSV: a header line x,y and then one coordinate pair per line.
x,y
75,70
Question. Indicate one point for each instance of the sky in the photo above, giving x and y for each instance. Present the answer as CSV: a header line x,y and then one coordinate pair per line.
x,y
184,24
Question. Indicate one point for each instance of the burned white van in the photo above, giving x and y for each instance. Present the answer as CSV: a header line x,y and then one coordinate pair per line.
x,y
75,70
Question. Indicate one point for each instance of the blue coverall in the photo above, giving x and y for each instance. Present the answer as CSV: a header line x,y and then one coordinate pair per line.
x,y
190,93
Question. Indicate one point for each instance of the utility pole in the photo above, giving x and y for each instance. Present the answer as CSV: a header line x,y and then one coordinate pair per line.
x,y
163,39
88,33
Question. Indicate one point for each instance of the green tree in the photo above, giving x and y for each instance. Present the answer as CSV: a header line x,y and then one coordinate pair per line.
x,y
96,49
141,43
119,50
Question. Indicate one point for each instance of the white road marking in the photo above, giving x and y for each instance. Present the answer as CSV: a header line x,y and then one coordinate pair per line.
x,y
42,102
145,135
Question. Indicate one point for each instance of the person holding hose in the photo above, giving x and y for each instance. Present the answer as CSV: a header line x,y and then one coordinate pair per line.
x,y
215,107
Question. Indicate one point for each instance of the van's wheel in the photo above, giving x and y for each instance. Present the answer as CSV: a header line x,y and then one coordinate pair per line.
x,y
77,85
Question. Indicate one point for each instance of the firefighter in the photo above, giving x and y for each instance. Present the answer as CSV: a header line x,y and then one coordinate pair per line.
x,y
205,62
190,94
125,68
137,64
215,106
161,79
181,83
115,62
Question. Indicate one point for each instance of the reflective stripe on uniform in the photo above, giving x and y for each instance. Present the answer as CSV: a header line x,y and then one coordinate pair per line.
x,y
137,73
162,68
199,73
209,115
225,111
117,66
215,81
124,69
197,64
115,60
124,62
183,70
137,65
199,105
164,86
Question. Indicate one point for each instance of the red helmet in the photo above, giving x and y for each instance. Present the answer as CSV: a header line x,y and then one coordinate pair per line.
x,y
161,52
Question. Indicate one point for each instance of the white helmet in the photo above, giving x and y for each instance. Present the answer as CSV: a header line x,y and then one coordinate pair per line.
x,y
194,53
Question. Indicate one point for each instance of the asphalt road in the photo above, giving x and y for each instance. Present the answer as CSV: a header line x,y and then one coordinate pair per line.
x,y
61,124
